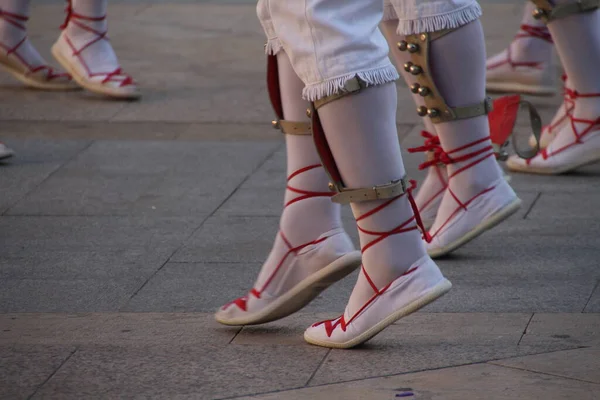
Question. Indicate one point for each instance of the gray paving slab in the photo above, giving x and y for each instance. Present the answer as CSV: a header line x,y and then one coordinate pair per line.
x,y
36,161
230,239
581,364
70,295
25,368
124,178
573,329
415,345
193,287
113,329
481,381
179,371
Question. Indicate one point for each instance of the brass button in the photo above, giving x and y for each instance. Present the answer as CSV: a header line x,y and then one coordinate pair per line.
x,y
415,70
331,186
407,66
424,91
423,37
413,48
402,45
275,124
433,112
422,111
538,13
415,87
308,113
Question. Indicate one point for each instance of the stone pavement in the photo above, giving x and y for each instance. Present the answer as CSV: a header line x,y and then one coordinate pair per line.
x,y
123,225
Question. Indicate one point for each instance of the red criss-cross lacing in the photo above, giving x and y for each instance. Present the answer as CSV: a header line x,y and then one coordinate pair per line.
x,y
330,325
432,144
74,18
569,106
592,124
540,32
19,21
446,157
292,250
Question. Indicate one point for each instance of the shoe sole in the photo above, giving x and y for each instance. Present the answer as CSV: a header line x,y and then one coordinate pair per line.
x,y
32,83
434,293
593,159
301,294
508,87
488,224
92,86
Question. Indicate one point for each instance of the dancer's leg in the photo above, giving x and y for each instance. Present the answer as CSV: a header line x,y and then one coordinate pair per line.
x,y
576,32
311,250
526,65
85,51
17,54
477,197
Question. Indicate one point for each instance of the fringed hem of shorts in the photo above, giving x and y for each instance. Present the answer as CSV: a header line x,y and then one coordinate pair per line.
x,y
273,46
389,13
451,20
372,77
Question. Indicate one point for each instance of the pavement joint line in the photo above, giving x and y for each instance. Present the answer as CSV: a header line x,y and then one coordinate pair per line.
x,y
398,374
236,334
591,295
525,330
544,373
318,367
51,174
184,241
533,203
53,373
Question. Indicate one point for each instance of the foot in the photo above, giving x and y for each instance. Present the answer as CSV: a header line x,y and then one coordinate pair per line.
x,y
5,152
471,203
302,272
19,58
576,144
83,49
471,218
420,285
513,70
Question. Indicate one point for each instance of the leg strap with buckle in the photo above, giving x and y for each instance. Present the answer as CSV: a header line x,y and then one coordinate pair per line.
x,y
345,195
286,127
547,12
435,106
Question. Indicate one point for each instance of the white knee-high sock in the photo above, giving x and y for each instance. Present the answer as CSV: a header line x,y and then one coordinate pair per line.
x,y
577,39
533,46
361,132
99,56
463,83
302,220
13,20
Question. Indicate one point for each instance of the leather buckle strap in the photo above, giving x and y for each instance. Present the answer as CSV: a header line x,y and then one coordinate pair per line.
x,y
502,122
352,86
292,127
387,191
547,12
435,106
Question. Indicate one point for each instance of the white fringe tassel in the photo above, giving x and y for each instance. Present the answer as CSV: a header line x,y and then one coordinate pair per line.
x,y
389,13
372,77
273,47
454,19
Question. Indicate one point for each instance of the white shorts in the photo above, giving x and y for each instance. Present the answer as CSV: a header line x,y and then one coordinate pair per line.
x,y
331,41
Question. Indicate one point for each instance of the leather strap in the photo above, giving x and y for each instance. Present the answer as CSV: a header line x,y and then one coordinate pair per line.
x,y
547,12
387,191
353,85
293,127
536,129
435,106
